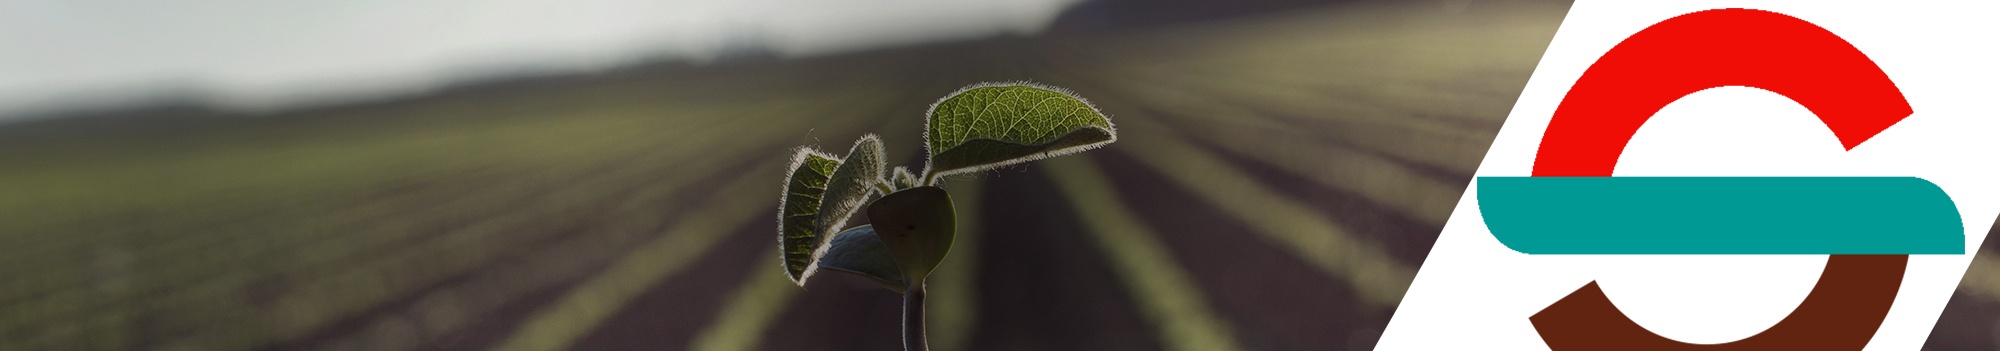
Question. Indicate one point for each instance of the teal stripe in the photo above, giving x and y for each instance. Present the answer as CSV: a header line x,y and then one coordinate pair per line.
x,y
1721,215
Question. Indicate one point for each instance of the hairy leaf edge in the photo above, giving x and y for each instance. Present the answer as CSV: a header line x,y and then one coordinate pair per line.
x,y
799,157
834,229
1112,137
928,176
901,178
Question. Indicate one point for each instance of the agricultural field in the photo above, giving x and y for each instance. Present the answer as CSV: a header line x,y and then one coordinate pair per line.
x,y
1277,182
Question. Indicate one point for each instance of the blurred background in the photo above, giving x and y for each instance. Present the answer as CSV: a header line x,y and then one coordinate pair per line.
x,y
604,174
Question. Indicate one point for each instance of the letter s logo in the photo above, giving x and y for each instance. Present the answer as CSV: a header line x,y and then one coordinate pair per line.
x,y
1572,205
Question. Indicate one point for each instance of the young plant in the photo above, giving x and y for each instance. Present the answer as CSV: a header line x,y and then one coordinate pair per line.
x,y
910,228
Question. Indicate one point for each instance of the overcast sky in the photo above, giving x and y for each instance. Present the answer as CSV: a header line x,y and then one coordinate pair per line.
x,y
259,54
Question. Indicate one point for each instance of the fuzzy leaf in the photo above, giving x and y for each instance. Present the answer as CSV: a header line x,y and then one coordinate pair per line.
x,y
992,125
857,250
851,184
903,179
917,226
798,211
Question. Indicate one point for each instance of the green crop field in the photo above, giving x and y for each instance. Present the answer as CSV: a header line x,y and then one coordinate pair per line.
x,y
1277,183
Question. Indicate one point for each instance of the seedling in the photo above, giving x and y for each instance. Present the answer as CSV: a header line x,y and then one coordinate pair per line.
x,y
910,228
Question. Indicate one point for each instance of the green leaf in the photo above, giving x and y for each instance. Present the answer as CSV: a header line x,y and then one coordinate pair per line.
x,y
993,125
798,211
917,225
857,250
851,183
819,196
903,179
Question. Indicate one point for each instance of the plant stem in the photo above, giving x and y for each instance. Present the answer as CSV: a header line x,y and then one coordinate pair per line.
x,y
913,319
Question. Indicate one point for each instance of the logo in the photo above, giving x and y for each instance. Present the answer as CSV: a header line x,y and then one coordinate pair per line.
x,y
1572,204
1752,175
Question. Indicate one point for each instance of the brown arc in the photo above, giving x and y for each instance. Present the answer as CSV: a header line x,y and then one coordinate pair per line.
x,y
1842,312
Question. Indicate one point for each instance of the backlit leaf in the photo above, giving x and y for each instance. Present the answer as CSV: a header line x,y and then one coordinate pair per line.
x,y
798,211
851,184
992,125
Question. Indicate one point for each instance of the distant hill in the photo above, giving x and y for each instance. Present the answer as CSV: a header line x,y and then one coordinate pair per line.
x,y
1101,15
746,55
